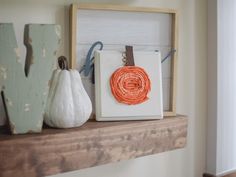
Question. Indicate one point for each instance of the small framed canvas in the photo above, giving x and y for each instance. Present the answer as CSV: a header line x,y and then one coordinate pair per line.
x,y
108,107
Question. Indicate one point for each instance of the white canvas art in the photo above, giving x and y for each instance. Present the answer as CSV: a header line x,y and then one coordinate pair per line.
x,y
107,107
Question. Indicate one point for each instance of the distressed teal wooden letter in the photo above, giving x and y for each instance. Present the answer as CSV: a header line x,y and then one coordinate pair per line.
x,y
25,90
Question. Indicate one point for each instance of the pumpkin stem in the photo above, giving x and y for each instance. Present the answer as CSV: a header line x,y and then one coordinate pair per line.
x,y
63,63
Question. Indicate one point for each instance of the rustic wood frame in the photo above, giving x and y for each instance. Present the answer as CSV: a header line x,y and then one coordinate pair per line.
x,y
174,42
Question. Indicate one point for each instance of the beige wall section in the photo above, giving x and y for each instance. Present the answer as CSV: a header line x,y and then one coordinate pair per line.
x,y
191,94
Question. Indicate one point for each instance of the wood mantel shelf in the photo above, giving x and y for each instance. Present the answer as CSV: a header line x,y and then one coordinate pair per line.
x,y
95,143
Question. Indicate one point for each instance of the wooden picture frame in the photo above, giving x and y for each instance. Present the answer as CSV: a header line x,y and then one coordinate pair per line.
x,y
106,7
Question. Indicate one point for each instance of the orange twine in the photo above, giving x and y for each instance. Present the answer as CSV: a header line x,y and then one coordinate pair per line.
x,y
130,85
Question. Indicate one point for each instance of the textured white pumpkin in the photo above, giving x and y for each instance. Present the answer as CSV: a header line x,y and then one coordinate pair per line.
x,y
68,104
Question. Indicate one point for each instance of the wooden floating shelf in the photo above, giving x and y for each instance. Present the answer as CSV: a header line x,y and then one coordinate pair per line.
x,y
95,143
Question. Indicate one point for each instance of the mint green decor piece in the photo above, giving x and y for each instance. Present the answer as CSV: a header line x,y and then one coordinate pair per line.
x,y
25,91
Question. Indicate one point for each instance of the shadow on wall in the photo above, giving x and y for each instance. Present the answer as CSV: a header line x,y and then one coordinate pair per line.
x,y
2,113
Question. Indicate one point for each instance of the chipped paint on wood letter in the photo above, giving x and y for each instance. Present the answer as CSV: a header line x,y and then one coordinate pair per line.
x,y
25,96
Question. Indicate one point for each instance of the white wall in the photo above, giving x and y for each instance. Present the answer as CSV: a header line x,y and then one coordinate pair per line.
x,y
222,85
191,94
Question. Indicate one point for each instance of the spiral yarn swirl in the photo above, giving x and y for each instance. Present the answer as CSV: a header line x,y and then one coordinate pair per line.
x,y
130,85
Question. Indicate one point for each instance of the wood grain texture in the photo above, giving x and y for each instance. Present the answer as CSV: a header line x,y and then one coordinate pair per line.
x,y
91,6
25,93
96,143
173,87
73,35
230,175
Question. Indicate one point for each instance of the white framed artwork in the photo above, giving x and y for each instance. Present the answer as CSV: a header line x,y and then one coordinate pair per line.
x,y
107,107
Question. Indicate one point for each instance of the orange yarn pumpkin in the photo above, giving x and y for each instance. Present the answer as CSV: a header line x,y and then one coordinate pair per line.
x,y
130,85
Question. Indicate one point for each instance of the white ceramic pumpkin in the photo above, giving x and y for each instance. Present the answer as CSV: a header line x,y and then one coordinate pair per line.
x,y
68,104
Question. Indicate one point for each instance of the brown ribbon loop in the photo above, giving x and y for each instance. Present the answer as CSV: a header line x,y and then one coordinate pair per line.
x,y
129,56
